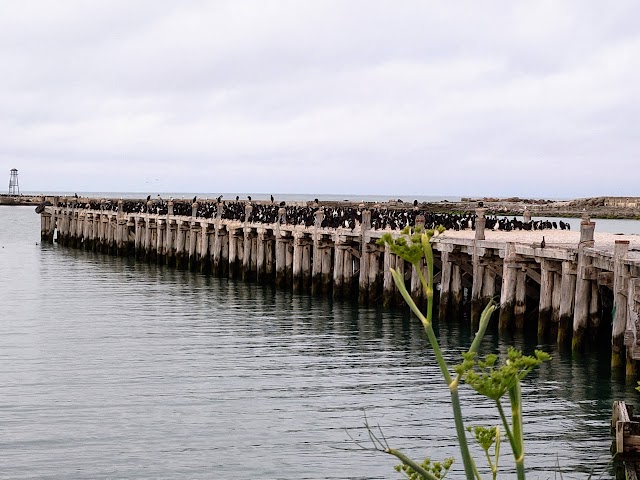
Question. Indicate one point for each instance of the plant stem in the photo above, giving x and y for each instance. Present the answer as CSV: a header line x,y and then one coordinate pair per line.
x,y
469,465
407,461
515,397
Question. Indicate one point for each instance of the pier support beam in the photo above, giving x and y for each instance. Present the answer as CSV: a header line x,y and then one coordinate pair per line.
x,y
388,285
618,352
520,307
445,286
508,291
567,296
583,287
545,306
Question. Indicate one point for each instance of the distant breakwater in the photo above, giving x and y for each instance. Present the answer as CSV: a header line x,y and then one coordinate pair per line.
x,y
568,288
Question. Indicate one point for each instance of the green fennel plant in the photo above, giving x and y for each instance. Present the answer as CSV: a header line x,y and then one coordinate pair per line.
x,y
488,376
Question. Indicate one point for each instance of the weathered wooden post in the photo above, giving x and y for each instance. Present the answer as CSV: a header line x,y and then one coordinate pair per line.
x,y
170,241
375,277
388,284
194,231
445,285
567,295
363,280
161,232
488,285
281,254
140,229
508,291
594,312
618,351
456,298
338,267
478,269
545,306
327,264
46,232
556,295
248,235
520,306
234,263
261,261
347,274
316,274
288,260
297,261
306,262
583,286
182,254
204,255
417,290
633,320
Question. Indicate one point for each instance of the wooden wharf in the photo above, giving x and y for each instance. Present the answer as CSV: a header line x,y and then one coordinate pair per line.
x,y
625,428
575,285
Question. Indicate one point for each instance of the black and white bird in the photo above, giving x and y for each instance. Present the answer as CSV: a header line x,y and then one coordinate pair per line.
x,y
543,243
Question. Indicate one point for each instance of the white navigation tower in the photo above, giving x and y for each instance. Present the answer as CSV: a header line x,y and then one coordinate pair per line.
x,y
14,189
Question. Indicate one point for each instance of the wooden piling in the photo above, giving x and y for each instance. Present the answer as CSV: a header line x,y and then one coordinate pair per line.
x,y
445,285
618,352
388,285
545,306
567,295
520,306
583,287
508,291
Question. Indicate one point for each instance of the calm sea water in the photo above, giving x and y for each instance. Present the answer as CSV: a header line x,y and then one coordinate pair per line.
x,y
115,369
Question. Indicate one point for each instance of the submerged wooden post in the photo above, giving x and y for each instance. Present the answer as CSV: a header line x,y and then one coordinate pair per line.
x,y
348,272
583,286
388,284
567,295
556,296
631,329
456,301
46,232
375,276
520,307
203,255
508,291
338,269
618,351
488,285
306,262
445,285
182,254
248,237
365,253
261,261
297,262
235,260
281,247
170,242
545,306
478,269
594,312
194,234
316,274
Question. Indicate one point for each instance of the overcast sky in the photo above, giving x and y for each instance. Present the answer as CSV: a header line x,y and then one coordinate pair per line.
x,y
535,99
